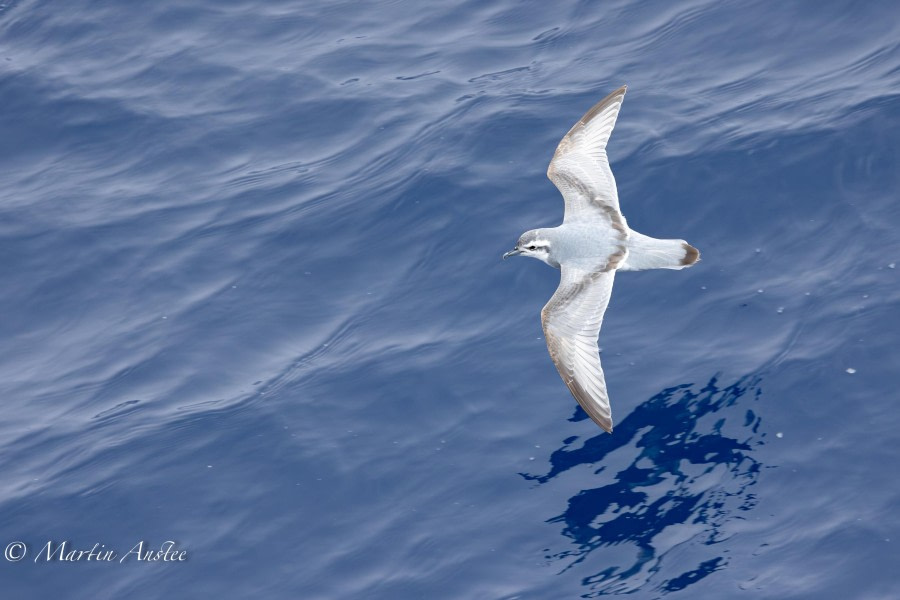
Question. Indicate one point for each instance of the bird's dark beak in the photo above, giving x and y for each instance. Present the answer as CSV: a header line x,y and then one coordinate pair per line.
x,y
514,252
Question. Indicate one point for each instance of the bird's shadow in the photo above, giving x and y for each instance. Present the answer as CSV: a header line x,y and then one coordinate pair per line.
x,y
689,472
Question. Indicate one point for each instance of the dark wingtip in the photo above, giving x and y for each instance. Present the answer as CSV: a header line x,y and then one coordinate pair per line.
x,y
605,423
691,255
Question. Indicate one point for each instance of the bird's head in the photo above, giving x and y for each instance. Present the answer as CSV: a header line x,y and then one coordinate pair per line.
x,y
534,244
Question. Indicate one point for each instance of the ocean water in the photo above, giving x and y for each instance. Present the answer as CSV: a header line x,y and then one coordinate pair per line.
x,y
253,302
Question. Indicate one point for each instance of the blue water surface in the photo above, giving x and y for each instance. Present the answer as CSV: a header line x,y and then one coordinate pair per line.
x,y
252,300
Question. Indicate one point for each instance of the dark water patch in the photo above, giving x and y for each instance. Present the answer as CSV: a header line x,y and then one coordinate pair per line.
x,y
691,471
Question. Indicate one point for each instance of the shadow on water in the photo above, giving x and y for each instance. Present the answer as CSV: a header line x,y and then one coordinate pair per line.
x,y
689,471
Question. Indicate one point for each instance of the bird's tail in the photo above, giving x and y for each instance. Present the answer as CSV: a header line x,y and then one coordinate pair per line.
x,y
645,252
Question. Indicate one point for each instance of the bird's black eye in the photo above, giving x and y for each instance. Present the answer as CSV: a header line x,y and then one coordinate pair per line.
x,y
532,247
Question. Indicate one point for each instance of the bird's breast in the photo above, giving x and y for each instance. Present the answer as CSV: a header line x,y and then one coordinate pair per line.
x,y
590,242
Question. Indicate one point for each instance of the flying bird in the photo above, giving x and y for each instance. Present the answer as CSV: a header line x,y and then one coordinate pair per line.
x,y
592,244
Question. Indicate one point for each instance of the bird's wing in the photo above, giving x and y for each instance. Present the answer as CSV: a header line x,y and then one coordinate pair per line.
x,y
571,321
580,169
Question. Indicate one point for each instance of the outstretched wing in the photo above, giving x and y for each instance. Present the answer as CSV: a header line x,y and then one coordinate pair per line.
x,y
580,169
571,321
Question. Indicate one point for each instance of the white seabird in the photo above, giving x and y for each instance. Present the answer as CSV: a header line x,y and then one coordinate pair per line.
x,y
593,242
